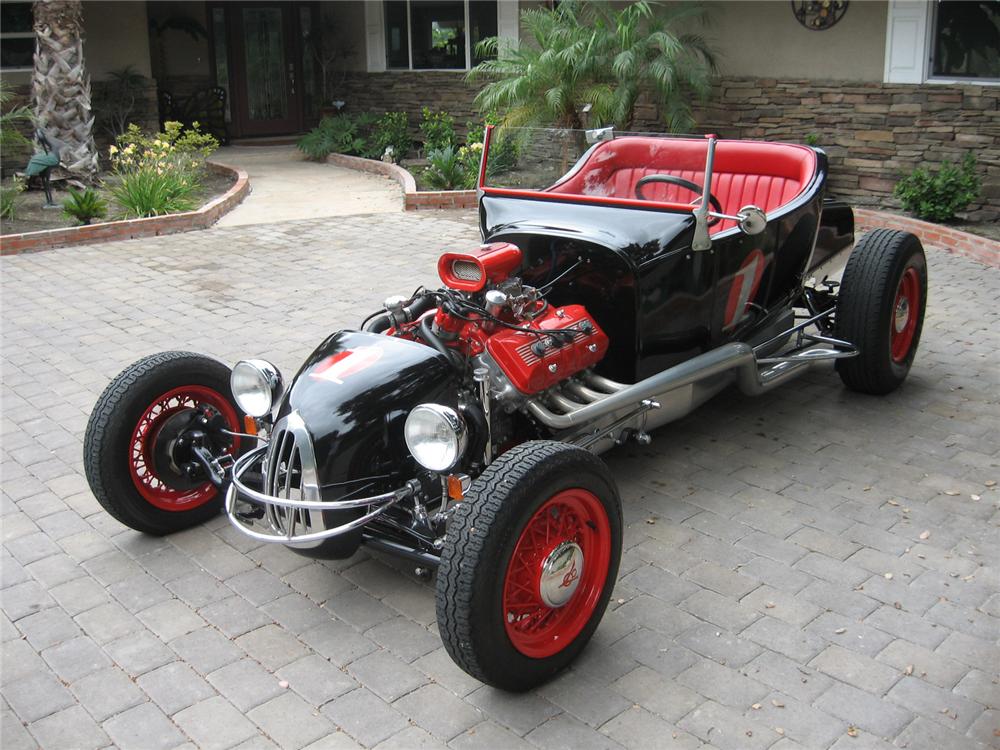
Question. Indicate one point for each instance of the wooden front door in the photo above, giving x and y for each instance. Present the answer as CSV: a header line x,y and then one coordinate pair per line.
x,y
265,71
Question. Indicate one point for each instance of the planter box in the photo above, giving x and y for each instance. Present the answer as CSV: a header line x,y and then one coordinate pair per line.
x,y
204,217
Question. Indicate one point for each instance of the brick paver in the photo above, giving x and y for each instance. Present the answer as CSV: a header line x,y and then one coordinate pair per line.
x,y
812,568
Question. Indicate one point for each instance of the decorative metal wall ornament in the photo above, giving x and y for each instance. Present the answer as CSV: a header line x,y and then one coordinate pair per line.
x,y
819,15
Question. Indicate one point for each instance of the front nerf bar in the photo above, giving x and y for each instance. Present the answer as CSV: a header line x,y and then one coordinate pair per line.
x,y
285,515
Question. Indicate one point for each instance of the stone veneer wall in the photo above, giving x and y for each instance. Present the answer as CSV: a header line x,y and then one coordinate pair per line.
x,y
873,132
410,92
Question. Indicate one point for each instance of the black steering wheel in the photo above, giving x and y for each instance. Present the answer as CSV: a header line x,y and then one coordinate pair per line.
x,y
680,182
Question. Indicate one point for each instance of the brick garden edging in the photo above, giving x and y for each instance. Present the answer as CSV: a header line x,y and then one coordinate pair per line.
x,y
413,200
950,240
202,218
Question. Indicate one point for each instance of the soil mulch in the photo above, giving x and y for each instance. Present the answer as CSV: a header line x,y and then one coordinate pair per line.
x,y
31,217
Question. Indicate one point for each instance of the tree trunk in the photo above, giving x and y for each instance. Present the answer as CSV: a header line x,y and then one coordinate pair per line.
x,y
60,84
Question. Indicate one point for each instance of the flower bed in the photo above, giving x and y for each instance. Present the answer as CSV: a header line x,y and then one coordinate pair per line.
x,y
201,218
413,200
946,238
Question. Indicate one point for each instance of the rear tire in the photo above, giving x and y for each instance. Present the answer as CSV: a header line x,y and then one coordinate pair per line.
x,y
529,563
880,309
119,446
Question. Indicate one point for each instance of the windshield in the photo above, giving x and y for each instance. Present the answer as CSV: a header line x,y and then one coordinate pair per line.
x,y
584,162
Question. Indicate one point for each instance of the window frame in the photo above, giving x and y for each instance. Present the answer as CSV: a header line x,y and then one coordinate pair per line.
x,y
375,27
910,28
30,34
932,19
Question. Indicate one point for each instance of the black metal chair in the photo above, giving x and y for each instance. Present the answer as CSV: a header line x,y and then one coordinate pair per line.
x,y
205,106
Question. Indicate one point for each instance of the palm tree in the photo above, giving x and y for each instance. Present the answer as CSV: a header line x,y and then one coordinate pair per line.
x,y
583,54
642,52
61,85
542,81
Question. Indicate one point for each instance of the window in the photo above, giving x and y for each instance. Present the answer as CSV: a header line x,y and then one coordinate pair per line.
x,y
17,36
436,34
966,40
945,41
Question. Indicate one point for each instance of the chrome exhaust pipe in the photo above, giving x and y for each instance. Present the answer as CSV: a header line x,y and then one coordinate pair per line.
x,y
714,370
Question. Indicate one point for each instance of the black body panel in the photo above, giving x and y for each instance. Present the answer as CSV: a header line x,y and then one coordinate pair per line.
x,y
355,412
836,232
659,302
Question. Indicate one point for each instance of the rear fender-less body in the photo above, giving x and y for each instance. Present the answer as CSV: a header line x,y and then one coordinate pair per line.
x,y
659,301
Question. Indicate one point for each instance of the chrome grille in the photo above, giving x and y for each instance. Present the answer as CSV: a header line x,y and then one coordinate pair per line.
x,y
466,270
290,473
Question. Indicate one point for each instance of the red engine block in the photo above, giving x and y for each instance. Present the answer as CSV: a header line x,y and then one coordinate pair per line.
x,y
534,363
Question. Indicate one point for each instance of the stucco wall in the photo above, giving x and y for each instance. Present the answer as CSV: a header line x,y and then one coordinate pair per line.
x,y
751,37
115,35
764,39
181,55
344,29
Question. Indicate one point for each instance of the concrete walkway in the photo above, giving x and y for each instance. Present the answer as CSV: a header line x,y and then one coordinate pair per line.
x,y
284,186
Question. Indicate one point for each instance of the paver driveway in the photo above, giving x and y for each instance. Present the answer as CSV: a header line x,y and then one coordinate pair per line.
x,y
809,569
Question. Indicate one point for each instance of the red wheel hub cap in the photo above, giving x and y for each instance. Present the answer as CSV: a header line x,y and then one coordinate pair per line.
x,y
151,485
557,573
905,312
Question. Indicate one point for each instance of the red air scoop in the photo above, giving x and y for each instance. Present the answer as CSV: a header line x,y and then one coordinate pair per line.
x,y
470,271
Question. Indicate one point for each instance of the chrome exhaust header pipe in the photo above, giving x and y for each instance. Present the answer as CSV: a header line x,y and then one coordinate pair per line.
x,y
728,363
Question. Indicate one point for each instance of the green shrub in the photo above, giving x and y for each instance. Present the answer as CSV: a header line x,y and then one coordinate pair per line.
x,y
174,147
503,149
333,135
390,131
10,136
812,139
453,169
85,206
155,192
159,174
10,198
438,130
936,197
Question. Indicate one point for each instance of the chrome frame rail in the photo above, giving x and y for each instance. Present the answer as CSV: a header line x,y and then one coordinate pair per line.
x,y
239,492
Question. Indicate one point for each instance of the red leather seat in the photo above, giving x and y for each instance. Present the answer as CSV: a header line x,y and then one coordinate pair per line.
x,y
768,175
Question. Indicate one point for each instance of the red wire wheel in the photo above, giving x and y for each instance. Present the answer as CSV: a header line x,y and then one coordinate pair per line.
x,y
571,525
905,314
153,485
528,564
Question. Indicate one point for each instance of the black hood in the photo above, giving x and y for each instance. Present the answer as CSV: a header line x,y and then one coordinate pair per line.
x,y
354,392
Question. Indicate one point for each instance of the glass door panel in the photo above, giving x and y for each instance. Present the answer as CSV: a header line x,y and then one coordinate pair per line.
x,y
267,89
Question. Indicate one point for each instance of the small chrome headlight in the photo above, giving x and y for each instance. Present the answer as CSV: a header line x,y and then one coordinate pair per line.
x,y
256,385
436,436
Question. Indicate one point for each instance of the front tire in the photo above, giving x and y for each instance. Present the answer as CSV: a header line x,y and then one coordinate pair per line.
x,y
123,449
880,309
528,564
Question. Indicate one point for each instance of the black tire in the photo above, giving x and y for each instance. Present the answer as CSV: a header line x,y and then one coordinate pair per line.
x,y
882,263
484,534
108,446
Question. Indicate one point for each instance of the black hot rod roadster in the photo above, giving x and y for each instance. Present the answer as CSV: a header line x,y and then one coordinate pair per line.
x,y
623,280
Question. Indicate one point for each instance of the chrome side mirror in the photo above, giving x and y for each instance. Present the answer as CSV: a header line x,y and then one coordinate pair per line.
x,y
600,134
752,220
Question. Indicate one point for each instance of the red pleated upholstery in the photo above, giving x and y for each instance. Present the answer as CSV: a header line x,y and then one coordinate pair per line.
x,y
768,175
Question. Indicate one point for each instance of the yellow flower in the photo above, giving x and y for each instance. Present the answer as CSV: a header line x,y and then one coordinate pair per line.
x,y
112,150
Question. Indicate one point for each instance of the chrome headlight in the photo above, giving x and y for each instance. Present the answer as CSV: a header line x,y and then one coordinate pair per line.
x,y
436,436
256,385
